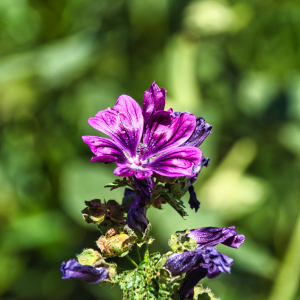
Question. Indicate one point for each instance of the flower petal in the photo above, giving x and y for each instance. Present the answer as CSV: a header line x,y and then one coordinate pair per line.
x,y
164,131
72,269
124,123
176,162
202,130
124,170
105,150
136,216
196,169
154,100
181,263
211,236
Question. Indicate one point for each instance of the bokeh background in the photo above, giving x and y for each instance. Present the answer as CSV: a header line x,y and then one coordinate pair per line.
x,y
235,63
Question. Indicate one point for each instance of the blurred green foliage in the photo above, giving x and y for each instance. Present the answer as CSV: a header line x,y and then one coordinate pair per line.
x,y
236,63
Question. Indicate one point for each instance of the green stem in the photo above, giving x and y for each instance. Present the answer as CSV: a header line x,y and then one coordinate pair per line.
x,y
146,255
131,260
138,252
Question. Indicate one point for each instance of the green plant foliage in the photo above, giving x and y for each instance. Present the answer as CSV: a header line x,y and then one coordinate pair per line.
x,y
180,242
177,204
117,183
145,282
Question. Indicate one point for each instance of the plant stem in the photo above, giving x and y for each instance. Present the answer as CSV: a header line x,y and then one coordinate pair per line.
x,y
146,255
138,252
131,260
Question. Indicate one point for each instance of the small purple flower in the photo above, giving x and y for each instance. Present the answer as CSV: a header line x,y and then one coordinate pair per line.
x,y
145,141
211,236
72,269
205,260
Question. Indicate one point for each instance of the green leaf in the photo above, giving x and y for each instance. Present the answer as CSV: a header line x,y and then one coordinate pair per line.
x,y
179,188
177,204
117,183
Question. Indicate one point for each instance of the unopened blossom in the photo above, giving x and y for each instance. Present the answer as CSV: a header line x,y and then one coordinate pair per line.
x,y
136,216
211,236
72,269
145,141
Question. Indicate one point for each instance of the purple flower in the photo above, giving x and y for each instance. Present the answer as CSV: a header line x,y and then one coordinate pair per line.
x,y
211,264
72,269
208,258
144,141
211,236
205,260
136,216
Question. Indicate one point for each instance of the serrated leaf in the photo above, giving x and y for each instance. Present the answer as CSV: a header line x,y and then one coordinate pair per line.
x,y
177,204
117,183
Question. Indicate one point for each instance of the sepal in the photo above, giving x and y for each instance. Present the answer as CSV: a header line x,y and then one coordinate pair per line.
x,y
89,257
114,243
138,237
180,242
106,216
201,293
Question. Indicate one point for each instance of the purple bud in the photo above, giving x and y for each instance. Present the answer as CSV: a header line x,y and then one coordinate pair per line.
x,y
72,269
136,216
211,236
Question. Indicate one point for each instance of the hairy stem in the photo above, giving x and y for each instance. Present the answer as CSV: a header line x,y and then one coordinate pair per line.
x,y
138,252
146,255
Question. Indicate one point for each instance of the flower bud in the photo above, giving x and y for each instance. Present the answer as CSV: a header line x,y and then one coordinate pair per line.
x,y
88,257
114,245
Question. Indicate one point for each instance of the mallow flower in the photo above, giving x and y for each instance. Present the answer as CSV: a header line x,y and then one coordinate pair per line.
x,y
72,269
148,140
205,260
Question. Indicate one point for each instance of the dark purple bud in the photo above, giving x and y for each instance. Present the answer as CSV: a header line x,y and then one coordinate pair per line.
x,y
211,236
191,279
136,216
144,188
193,202
154,100
72,269
201,131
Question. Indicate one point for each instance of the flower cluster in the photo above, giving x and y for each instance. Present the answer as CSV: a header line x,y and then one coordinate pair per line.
x,y
158,157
